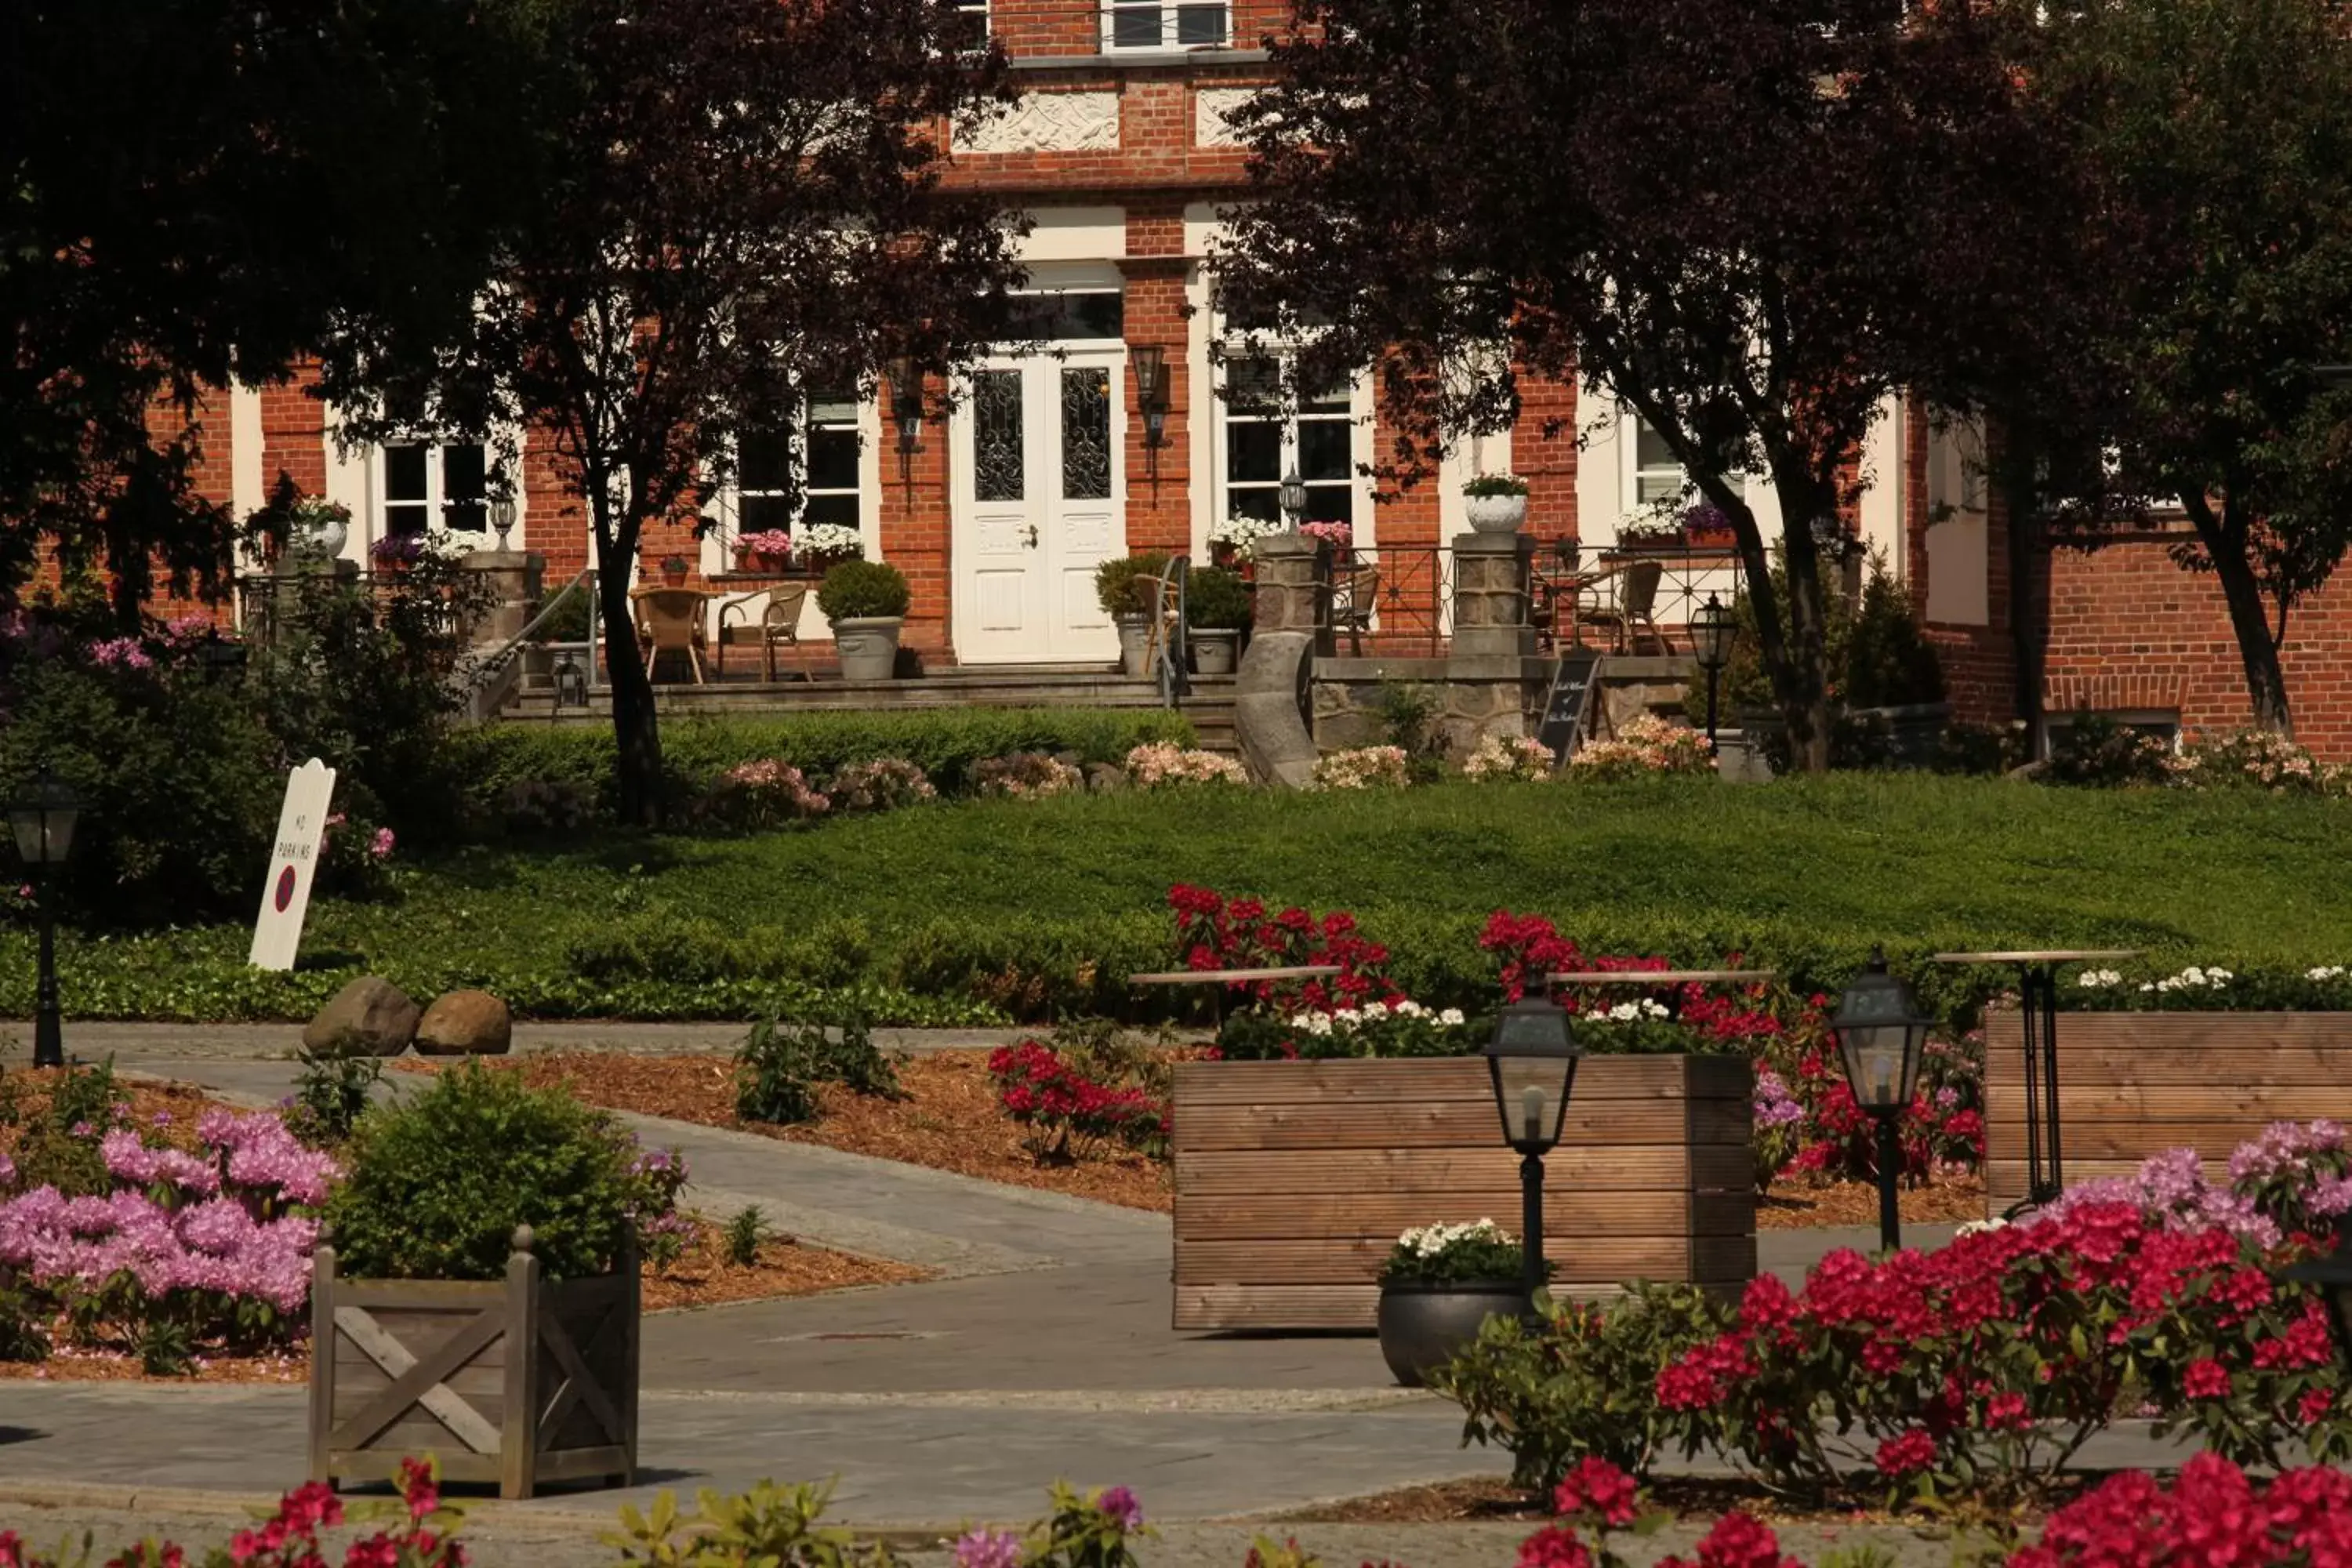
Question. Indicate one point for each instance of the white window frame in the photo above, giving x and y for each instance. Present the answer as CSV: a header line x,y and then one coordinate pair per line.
x,y
1170,15
1632,507
972,8
435,501
1233,348
863,422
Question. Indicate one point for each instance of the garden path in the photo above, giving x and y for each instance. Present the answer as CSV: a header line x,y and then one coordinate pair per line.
x,y
1041,1350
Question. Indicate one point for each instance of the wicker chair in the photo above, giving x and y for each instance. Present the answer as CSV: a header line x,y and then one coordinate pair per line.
x,y
1355,595
669,620
1635,611
778,625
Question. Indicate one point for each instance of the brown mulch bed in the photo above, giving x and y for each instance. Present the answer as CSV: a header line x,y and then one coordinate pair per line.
x,y
787,1266
25,1100
949,1119
1798,1206
1495,1500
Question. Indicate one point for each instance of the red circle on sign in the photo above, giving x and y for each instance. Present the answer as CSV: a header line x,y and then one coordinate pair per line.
x,y
285,888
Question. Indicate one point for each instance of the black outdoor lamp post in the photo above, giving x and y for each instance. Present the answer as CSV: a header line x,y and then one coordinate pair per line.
x,y
1711,634
1293,495
502,519
907,411
42,816
1150,363
1880,1034
1532,1058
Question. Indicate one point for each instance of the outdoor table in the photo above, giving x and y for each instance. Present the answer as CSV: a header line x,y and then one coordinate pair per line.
x,y
2038,1003
1221,978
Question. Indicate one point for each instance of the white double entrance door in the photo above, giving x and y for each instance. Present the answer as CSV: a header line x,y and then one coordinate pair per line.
x,y
1038,491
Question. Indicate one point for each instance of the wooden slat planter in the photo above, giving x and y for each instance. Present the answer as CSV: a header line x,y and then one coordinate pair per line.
x,y
2135,1084
517,1381
1293,1179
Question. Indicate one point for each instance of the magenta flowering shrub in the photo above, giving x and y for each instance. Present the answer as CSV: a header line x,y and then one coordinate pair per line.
x,y
214,1243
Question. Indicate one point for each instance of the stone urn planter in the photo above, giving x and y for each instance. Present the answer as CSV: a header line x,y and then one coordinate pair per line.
x,y
513,1382
1134,645
1495,514
867,646
1214,648
1424,1324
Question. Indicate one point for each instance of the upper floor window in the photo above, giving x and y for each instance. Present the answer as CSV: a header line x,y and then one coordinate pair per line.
x,y
1165,24
802,470
963,27
1266,439
1655,481
429,486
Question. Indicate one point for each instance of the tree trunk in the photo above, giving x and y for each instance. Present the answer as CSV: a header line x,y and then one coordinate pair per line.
x,y
636,732
1795,650
2224,538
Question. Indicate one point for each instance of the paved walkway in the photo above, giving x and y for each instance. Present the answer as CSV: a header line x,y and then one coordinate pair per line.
x,y
95,1041
1041,1351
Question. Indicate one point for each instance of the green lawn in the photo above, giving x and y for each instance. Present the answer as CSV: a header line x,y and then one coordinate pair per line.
x,y
950,910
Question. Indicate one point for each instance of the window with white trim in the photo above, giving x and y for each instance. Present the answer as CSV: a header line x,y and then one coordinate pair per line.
x,y
1656,482
435,486
802,470
1166,24
964,27
1266,437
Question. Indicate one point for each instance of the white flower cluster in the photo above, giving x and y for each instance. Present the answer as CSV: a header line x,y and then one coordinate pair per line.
x,y
832,539
2325,972
2098,979
1349,1019
2191,979
1429,1240
1242,533
1977,1226
1632,1012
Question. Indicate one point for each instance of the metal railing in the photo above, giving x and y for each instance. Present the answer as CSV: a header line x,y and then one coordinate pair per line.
x,y
1409,605
1169,631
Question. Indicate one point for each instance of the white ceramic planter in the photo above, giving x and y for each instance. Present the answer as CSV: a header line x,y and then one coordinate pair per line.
x,y
867,646
1495,514
1134,645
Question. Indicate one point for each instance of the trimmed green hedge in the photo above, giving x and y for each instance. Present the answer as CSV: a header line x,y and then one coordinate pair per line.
x,y
947,743
967,910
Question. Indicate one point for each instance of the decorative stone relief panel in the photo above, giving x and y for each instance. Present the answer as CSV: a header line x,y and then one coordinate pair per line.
x,y
1212,111
1050,123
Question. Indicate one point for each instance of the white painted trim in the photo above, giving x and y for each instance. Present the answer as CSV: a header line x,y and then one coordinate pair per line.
x,y
1883,487
1073,234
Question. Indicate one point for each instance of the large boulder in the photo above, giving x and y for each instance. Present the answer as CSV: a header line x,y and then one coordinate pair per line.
x,y
369,1018
466,1023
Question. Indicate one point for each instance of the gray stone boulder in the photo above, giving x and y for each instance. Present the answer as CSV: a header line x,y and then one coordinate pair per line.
x,y
369,1018
466,1023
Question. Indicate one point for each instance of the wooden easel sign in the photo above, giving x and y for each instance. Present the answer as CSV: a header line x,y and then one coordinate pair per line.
x,y
1567,707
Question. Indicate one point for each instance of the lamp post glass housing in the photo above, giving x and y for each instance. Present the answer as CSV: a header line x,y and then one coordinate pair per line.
x,y
1711,633
1293,495
1881,1036
42,819
1531,1058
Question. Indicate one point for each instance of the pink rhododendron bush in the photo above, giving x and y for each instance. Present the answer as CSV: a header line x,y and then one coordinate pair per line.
x,y
116,1240
1978,1370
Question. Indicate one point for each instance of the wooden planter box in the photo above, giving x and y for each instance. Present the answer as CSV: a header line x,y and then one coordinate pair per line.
x,y
1293,1179
519,1382
2135,1084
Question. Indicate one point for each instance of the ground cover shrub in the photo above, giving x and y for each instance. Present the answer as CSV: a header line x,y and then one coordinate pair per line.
x,y
746,1231
1505,760
439,1181
1071,1116
2256,758
1645,744
760,796
780,1068
330,1092
1161,765
1027,775
885,784
2100,753
1365,767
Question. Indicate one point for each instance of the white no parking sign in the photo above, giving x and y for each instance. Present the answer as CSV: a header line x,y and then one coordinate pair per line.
x,y
293,857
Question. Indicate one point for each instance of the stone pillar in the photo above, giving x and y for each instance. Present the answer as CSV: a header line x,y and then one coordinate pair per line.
x,y
279,598
1293,590
1490,595
514,578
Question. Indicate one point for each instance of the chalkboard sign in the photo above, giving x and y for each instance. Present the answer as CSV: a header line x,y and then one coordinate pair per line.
x,y
1570,703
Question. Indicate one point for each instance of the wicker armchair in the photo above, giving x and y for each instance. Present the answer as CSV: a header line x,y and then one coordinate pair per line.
x,y
778,625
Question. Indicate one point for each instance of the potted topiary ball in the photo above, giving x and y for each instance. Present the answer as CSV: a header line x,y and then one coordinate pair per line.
x,y
866,603
477,1292
1440,1284
1123,585
1216,613
1495,503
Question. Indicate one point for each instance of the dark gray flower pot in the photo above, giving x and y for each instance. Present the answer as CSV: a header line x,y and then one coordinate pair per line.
x,y
1423,1324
